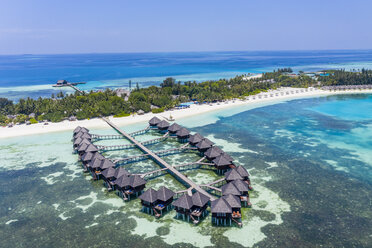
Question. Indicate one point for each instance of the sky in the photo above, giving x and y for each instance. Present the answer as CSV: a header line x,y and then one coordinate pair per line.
x,y
97,26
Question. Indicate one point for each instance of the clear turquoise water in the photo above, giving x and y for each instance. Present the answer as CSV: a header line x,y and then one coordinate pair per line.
x,y
311,167
32,75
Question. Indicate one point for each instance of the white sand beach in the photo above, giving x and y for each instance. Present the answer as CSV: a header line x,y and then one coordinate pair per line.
x,y
273,96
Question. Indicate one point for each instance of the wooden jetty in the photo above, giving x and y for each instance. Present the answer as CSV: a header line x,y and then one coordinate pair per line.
x,y
173,171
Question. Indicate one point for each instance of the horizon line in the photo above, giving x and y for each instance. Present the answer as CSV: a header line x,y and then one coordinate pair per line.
x,y
194,51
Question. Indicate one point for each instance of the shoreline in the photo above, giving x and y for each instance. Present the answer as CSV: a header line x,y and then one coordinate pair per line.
x,y
195,109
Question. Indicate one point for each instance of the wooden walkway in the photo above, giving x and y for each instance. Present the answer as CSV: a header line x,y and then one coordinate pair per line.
x,y
97,137
173,171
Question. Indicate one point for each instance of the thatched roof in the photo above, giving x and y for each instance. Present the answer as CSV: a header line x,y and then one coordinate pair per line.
x,y
83,146
232,175
242,171
91,148
183,132
106,163
83,135
96,163
204,144
228,157
195,138
240,185
149,195
87,156
136,181
185,201
233,201
230,189
164,194
220,206
221,161
78,142
174,128
163,124
199,200
213,152
77,129
81,129
121,172
122,181
109,172
154,121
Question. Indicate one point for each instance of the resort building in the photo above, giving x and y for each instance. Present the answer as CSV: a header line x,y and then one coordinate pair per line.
x,y
195,139
130,187
183,135
163,126
157,202
154,121
226,211
222,164
204,145
213,153
165,199
173,129
149,200
191,207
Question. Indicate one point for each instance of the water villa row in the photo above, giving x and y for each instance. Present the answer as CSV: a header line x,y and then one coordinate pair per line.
x,y
224,197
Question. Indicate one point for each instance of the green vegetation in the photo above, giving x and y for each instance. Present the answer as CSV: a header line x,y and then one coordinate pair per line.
x,y
169,94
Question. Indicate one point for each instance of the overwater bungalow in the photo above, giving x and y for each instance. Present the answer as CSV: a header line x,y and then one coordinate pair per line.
x,y
183,207
222,164
154,121
235,204
97,169
244,192
121,184
80,129
81,148
226,210
83,135
165,199
195,139
91,148
191,207
213,153
79,141
230,188
173,129
163,126
199,208
227,156
149,200
204,145
183,135
94,165
221,212
87,157
232,175
108,175
130,187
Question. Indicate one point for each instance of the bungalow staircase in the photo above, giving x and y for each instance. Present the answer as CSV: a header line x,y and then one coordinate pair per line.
x,y
237,222
157,215
194,220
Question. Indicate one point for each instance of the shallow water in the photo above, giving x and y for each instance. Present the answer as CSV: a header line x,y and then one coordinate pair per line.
x,y
311,168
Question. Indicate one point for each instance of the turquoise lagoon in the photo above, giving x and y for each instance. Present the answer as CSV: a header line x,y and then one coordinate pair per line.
x,y
310,161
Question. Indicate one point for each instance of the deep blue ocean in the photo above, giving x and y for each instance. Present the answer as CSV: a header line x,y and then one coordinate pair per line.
x,y
32,75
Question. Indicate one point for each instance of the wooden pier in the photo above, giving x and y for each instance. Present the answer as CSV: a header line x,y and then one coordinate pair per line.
x,y
173,171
